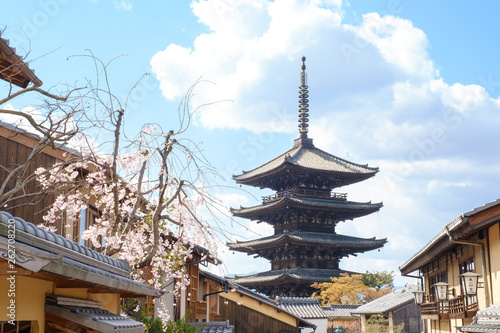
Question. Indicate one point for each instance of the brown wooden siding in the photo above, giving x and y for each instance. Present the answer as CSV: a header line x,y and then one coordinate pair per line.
x,y
348,325
410,317
246,320
13,153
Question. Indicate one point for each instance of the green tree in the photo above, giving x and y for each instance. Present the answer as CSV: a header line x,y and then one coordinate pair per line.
x,y
379,324
378,280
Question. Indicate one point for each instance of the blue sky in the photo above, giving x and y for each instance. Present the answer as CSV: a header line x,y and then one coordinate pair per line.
x,y
409,86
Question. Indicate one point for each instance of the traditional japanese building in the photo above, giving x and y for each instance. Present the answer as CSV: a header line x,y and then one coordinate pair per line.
x,y
304,212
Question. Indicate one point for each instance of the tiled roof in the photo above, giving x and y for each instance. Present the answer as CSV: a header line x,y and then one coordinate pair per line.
x,y
62,243
68,258
93,317
340,310
390,302
351,207
215,327
34,136
301,274
303,307
443,233
309,308
250,293
313,238
310,157
487,320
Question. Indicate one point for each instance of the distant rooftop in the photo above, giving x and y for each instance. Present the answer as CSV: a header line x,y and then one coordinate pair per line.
x,y
390,302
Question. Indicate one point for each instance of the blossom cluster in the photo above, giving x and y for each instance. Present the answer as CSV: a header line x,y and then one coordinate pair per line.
x,y
124,221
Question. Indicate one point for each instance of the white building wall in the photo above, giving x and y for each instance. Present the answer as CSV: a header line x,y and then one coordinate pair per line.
x,y
168,301
321,325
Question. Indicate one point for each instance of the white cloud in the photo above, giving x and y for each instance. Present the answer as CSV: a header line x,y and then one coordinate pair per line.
x,y
375,97
123,4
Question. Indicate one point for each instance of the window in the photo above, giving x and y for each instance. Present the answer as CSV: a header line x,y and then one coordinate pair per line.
x,y
467,266
439,277
87,218
18,327
464,267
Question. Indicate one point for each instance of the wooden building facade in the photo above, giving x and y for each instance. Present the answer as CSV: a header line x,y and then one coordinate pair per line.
x,y
468,243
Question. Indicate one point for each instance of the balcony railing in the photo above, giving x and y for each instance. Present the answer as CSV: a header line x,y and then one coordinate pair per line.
x,y
305,192
458,307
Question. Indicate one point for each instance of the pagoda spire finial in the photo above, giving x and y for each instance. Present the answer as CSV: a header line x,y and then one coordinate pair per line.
x,y
303,102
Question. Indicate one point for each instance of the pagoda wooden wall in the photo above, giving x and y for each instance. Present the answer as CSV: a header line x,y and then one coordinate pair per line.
x,y
248,320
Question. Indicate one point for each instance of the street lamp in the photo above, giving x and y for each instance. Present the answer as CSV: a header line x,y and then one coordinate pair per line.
x,y
419,296
441,290
469,282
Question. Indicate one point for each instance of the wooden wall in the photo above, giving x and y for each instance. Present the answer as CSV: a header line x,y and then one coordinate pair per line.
x,y
246,320
348,325
410,316
13,153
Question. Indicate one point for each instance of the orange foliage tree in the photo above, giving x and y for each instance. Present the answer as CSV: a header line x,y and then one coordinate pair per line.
x,y
348,289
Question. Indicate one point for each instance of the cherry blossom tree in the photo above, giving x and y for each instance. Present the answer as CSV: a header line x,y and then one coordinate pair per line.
x,y
148,188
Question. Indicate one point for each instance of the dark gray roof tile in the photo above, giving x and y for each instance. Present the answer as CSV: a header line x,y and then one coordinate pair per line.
x,y
390,302
313,202
340,310
301,274
315,238
308,157
303,307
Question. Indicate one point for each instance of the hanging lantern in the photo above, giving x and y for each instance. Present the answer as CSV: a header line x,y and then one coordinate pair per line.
x,y
419,296
469,282
441,290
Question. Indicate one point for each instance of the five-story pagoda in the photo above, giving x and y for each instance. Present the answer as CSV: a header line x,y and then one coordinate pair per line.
x,y
304,213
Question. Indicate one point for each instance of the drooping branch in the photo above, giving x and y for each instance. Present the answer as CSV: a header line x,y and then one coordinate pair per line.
x,y
156,231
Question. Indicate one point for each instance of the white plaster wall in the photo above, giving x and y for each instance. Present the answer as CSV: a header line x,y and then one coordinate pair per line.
x,y
321,325
168,300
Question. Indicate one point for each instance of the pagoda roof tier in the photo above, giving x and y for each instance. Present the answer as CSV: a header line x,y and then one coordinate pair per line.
x,y
305,159
326,240
282,276
342,208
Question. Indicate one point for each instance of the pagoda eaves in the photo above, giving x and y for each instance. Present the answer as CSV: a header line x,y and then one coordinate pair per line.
x,y
304,160
355,244
339,210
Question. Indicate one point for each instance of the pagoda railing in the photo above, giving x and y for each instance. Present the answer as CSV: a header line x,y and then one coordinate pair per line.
x,y
456,308
305,192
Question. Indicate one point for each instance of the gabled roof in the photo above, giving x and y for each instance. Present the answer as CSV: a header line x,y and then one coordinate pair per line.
x,y
39,250
440,241
350,209
310,238
306,275
19,131
303,307
214,327
340,310
305,156
13,69
390,302
309,308
250,293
